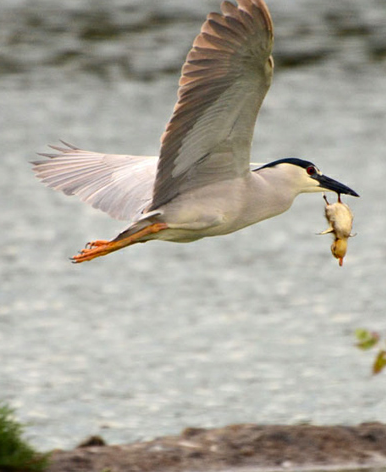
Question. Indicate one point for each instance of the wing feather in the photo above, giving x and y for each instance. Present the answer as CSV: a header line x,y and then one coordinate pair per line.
x,y
119,185
223,83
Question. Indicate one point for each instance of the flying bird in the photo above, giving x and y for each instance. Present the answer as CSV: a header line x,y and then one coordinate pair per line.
x,y
202,184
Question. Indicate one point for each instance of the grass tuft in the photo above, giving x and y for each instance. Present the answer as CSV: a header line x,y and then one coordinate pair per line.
x,y
15,454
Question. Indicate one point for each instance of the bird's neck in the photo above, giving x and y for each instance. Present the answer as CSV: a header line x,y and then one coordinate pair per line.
x,y
272,196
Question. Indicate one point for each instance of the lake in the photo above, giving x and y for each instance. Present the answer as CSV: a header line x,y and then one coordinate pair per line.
x,y
252,327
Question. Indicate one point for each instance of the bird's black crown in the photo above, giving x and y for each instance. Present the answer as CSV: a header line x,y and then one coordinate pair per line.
x,y
288,160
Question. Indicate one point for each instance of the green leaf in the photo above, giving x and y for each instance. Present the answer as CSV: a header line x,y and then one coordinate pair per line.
x,y
380,362
366,339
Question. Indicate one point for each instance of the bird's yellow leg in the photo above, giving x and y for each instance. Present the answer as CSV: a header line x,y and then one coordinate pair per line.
x,y
101,248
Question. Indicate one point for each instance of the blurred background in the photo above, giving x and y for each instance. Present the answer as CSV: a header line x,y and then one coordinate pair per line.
x,y
253,327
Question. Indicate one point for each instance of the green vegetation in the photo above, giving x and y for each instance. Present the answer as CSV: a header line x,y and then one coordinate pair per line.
x,y
15,454
368,340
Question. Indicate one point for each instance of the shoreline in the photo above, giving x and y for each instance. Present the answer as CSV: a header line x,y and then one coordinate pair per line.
x,y
236,447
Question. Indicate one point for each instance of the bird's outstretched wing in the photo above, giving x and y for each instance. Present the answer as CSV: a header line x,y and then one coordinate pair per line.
x,y
116,184
223,83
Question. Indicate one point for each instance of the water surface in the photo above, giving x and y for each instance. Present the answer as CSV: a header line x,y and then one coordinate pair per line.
x,y
252,327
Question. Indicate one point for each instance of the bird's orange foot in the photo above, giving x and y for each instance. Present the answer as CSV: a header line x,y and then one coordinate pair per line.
x,y
101,248
92,250
97,243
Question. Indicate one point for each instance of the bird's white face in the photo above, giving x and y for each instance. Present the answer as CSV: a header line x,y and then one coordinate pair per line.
x,y
301,179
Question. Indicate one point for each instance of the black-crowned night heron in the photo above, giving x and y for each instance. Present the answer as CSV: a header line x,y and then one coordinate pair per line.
x,y
202,184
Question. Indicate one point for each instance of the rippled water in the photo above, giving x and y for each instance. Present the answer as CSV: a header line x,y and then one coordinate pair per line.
x,y
252,327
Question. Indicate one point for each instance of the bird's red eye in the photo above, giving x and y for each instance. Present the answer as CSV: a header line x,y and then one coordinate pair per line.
x,y
311,170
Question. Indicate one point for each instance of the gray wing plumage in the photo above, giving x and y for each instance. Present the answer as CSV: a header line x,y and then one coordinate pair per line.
x,y
224,80
116,184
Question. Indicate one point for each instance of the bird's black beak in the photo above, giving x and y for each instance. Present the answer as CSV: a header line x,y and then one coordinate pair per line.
x,y
326,183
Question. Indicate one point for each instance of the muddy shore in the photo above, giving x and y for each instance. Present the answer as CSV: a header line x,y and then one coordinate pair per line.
x,y
236,447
